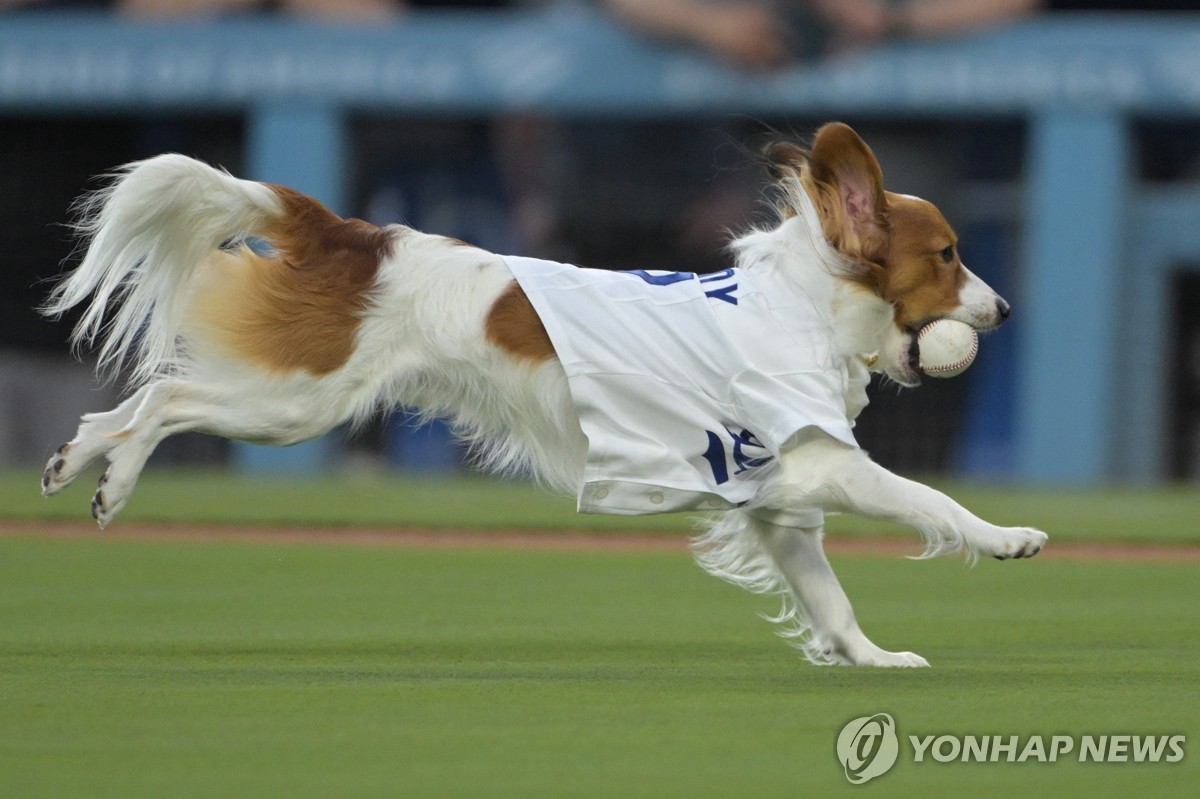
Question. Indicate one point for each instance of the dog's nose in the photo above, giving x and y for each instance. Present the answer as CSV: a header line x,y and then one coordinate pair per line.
x,y
1003,309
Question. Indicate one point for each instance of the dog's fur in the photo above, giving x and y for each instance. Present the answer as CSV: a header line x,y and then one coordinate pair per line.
x,y
252,312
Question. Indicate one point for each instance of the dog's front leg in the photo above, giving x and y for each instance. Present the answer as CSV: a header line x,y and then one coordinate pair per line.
x,y
834,634
832,476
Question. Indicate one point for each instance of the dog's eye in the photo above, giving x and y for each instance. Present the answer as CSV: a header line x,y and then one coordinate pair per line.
x,y
947,255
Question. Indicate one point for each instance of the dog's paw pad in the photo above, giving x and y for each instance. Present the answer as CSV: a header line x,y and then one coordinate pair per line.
x,y
97,505
109,499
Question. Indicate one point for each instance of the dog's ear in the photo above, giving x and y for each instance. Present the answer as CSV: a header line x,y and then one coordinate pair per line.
x,y
784,159
854,213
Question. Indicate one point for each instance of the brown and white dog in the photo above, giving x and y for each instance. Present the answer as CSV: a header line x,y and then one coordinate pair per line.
x,y
250,311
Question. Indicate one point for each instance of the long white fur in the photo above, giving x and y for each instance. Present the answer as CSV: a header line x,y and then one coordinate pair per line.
x,y
421,344
147,234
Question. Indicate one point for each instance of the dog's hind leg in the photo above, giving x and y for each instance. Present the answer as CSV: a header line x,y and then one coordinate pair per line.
x,y
96,436
167,407
128,435
176,406
832,634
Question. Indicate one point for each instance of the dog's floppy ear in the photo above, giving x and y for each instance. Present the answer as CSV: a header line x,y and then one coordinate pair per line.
x,y
854,204
784,159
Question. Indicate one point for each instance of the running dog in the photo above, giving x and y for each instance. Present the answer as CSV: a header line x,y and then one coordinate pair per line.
x,y
250,311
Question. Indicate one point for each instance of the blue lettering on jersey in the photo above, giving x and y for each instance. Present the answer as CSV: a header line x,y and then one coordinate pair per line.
x,y
743,447
720,286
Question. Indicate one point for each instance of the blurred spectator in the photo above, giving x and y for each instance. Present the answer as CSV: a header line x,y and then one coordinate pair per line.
x,y
329,10
37,5
870,20
752,34
765,34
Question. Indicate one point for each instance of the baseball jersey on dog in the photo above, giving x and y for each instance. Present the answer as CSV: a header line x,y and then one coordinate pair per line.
x,y
688,386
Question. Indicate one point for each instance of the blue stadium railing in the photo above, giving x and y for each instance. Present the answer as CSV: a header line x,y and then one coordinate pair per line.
x,y
1099,252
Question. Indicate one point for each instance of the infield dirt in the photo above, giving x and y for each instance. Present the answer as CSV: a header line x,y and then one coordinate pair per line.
x,y
561,540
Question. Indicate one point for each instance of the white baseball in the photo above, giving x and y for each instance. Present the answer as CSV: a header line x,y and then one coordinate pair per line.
x,y
946,347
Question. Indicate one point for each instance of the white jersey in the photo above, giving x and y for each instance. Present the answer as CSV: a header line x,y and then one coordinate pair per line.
x,y
688,386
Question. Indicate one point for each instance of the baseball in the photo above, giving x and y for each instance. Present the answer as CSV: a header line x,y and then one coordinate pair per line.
x,y
946,347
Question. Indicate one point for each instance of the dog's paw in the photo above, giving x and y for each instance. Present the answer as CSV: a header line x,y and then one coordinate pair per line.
x,y
897,660
108,501
911,660
862,652
880,658
1017,542
60,471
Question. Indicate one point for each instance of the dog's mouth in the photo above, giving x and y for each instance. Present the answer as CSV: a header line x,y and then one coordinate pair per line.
x,y
914,353
901,360
900,356
909,371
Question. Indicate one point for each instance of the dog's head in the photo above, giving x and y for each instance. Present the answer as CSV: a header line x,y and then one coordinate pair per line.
x,y
897,247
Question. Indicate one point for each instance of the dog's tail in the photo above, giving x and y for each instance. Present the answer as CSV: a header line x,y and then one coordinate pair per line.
x,y
147,235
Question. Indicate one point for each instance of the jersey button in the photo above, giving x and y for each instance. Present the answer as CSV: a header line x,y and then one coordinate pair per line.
x,y
656,497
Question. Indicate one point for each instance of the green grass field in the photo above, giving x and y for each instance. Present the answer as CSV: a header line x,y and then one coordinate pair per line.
x,y
182,668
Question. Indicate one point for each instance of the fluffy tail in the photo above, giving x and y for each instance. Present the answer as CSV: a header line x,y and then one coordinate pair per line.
x,y
147,235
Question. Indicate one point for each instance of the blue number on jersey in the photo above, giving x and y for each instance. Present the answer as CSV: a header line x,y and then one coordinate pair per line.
x,y
747,453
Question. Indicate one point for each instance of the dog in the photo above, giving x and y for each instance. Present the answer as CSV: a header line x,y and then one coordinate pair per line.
x,y
250,311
